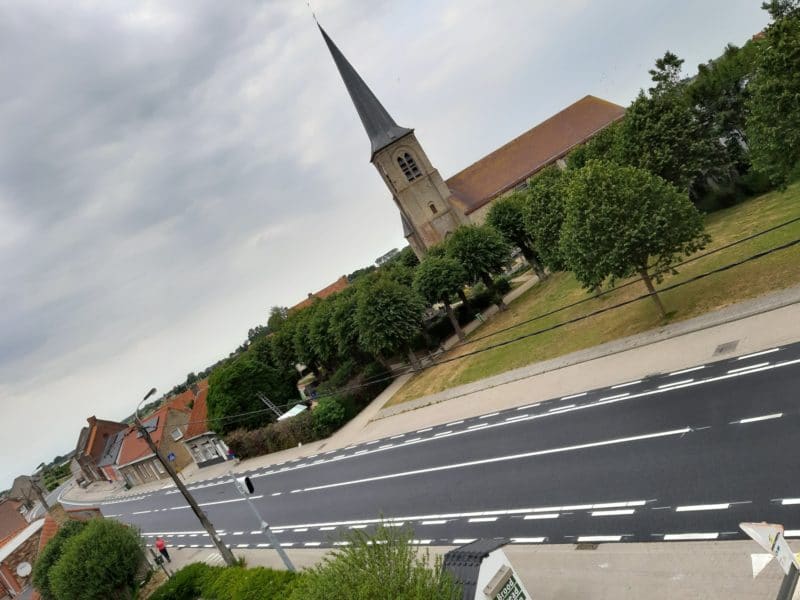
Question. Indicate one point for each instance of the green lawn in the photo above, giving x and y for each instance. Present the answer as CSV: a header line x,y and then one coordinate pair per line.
x,y
776,271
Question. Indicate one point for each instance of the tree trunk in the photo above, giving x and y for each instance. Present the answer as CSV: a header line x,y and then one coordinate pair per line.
x,y
653,294
533,260
412,358
498,298
464,300
454,321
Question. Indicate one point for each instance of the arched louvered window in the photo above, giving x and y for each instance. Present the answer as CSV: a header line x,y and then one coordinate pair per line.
x,y
409,166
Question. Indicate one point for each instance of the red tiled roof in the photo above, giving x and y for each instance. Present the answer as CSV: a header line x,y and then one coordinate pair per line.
x,y
336,286
11,521
197,419
538,147
51,526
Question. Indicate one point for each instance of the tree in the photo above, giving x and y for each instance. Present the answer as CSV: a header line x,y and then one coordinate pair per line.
x,y
50,555
277,317
604,145
506,216
100,562
304,350
233,388
388,316
482,251
384,565
773,125
543,214
622,220
662,133
320,337
439,279
343,326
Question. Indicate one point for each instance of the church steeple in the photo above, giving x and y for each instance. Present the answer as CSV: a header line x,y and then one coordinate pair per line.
x,y
379,124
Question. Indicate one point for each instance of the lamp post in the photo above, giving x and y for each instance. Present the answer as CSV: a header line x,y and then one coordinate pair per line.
x,y
224,551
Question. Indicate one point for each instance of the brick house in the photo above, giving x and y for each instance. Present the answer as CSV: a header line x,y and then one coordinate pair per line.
x,y
136,463
91,444
23,547
12,520
205,446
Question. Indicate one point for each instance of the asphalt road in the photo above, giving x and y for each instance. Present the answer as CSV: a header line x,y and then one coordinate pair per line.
x,y
675,456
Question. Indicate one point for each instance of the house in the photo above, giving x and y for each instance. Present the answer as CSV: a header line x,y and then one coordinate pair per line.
x,y
17,556
12,520
23,491
336,286
205,446
136,463
91,444
108,459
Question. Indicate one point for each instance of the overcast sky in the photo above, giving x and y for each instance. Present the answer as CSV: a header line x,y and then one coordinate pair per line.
x,y
170,170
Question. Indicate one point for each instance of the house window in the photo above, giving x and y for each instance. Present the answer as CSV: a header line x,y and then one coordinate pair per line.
x,y
159,467
409,166
177,434
433,208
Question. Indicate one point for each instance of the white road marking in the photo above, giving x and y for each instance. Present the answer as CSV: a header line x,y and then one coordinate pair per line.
x,y
615,397
565,407
478,426
262,545
482,520
747,368
622,385
612,513
296,491
542,516
528,406
619,504
455,423
674,537
435,522
761,418
494,414
448,432
312,544
394,524
527,540
788,501
462,541
372,442
674,383
523,416
242,545
506,458
420,542
599,538
791,533
754,354
300,530
412,440
277,493
574,396
399,435
229,501
238,533
694,507
684,371
141,512
360,452
385,446
255,532
327,528
358,526
424,430
287,544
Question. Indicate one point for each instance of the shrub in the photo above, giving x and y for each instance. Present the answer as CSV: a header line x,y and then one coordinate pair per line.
x,y
227,583
187,583
502,284
50,555
273,437
380,566
328,416
98,563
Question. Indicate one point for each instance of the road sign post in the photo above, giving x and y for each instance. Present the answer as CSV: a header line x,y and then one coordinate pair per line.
x,y
770,537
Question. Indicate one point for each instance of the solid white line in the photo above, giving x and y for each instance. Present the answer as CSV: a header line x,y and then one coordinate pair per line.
x,y
574,396
561,408
690,536
296,491
599,538
622,385
312,544
462,541
482,520
616,397
672,383
509,457
754,354
424,430
791,533
695,507
788,501
435,522
420,542
523,416
756,366
544,516
494,414
455,423
385,446
448,432
689,370
478,426
527,540
612,513
761,418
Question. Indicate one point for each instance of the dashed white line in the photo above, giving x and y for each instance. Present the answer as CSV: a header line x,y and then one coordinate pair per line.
x,y
747,368
141,512
517,417
448,432
599,538
287,544
541,516
435,522
674,383
527,406
684,371
761,418
614,397
788,501
527,540
613,513
358,526
462,541
385,446
277,493
791,533
622,385
674,537
420,542
399,435
238,533
482,520
754,354
360,452
494,414
455,423
416,439
262,545
242,545
574,396
341,543
478,426
694,507
300,530
312,544
565,407
372,442
424,430
327,528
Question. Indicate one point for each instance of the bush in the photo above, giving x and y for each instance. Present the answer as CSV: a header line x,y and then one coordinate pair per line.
x,y
50,555
328,416
272,438
187,583
502,284
227,583
98,563
379,566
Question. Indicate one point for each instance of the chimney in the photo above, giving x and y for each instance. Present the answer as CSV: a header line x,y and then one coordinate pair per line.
x,y
91,420
310,294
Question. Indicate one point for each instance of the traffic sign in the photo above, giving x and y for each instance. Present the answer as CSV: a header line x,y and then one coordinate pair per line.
x,y
763,533
171,457
783,554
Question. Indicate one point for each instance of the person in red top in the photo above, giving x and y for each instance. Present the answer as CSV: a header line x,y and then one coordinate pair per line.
x,y
162,548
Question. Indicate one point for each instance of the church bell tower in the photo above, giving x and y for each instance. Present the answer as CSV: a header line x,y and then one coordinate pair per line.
x,y
427,209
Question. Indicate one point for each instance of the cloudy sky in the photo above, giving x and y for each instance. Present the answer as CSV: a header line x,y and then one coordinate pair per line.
x,y
170,170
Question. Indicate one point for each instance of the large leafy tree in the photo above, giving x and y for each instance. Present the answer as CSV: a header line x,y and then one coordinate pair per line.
x,y
277,317
621,220
543,214
482,252
50,555
438,279
388,316
343,327
319,332
604,145
773,125
662,133
506,216
234,386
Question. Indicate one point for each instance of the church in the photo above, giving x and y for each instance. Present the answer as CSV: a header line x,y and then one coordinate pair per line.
x,y
430,207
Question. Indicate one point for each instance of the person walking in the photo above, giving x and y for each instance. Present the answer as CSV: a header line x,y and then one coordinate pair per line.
x,y
162,548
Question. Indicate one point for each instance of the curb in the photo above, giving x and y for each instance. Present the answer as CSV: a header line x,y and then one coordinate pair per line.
x,y
729,314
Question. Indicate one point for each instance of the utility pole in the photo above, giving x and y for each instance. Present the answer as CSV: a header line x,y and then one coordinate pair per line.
x,y
224,551
39,494
789,584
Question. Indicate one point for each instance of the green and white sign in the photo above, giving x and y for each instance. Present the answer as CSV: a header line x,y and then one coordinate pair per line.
x,y
511,590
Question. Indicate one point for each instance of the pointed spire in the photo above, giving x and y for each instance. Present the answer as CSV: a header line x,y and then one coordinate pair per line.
x,y
381,128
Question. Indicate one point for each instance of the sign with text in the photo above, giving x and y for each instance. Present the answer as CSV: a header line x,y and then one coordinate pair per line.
x,y
511,590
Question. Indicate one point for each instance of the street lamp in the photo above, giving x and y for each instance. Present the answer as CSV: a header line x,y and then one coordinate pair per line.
x,y
224,551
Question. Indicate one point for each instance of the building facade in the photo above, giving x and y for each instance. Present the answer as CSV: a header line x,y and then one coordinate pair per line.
x,y
91,444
